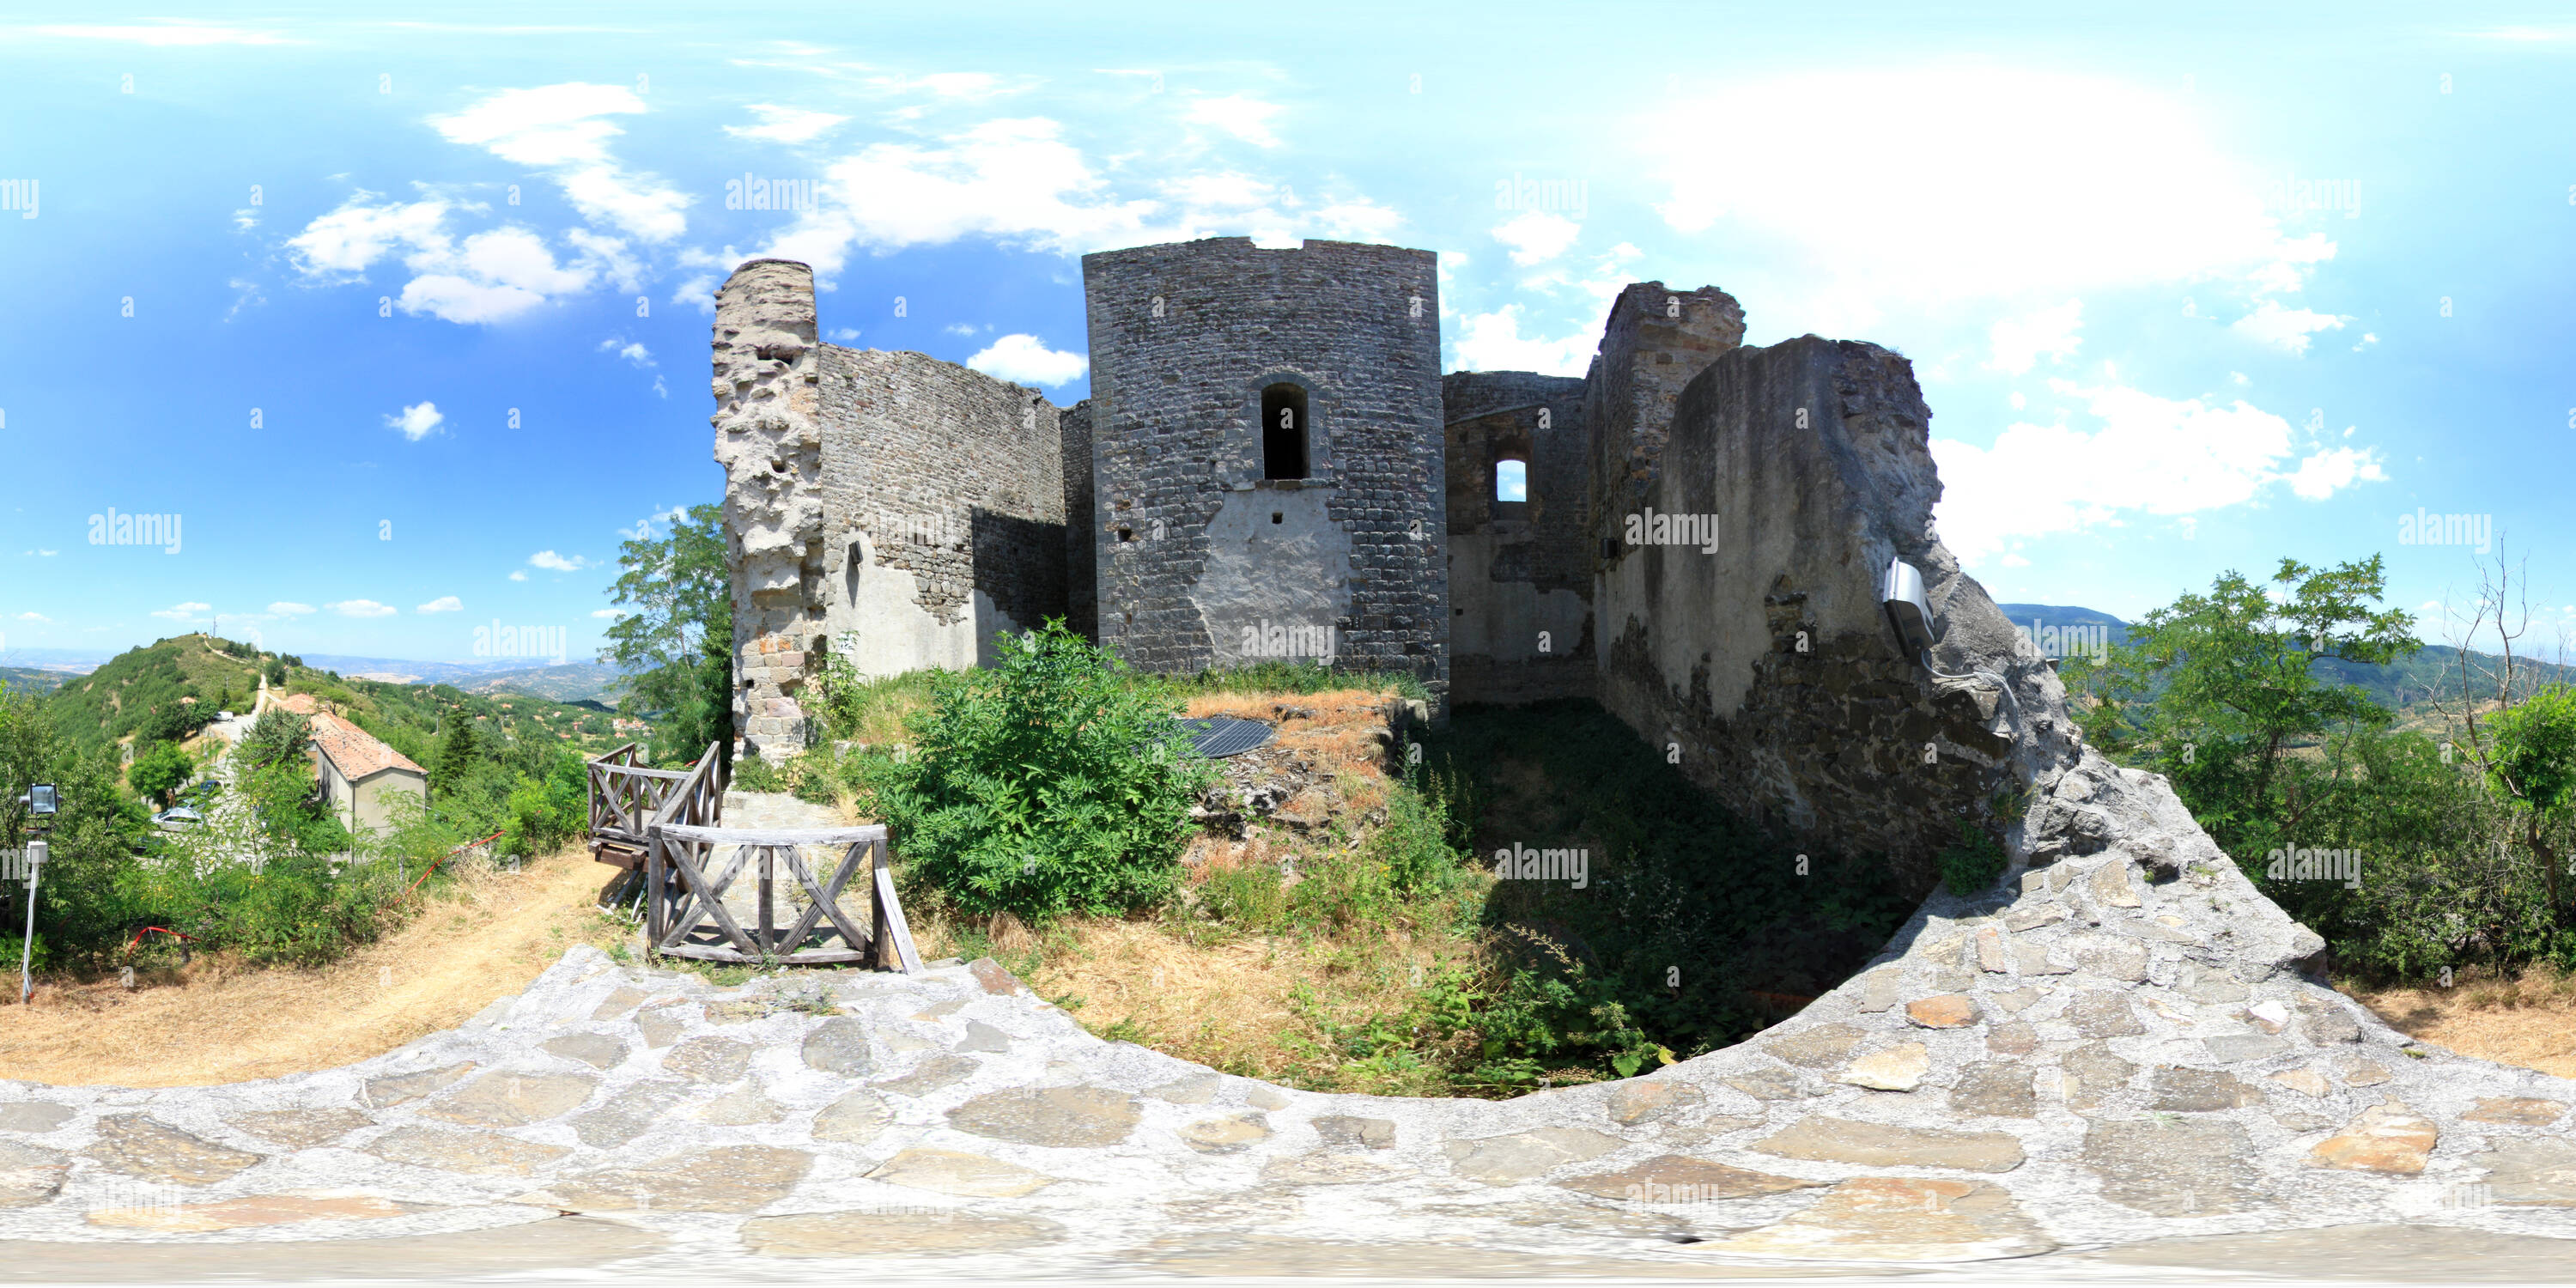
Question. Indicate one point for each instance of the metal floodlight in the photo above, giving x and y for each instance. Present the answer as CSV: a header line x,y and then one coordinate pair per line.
x,y
40,800
1908,609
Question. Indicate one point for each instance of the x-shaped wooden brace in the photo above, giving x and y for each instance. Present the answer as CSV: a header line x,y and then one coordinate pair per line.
x,y
709,897
826,900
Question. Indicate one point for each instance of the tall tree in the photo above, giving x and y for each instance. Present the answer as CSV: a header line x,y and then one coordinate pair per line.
x,y
676,647
456,748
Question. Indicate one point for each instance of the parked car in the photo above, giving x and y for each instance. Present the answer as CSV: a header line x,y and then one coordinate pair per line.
x,y
179,816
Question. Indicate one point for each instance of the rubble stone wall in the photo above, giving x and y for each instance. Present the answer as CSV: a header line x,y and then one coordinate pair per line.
x,y
1520,574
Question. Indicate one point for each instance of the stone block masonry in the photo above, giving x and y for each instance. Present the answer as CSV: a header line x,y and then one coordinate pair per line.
x,y
769,441
1202,545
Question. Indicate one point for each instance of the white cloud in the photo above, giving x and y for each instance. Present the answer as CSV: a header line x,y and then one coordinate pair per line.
x,y
2145,455
2368,338
1025,359
35,617
1999,183
341,244
489,277
520,575
1226,190
2018,342
2323,474
494,276
1015,181
1245,118
417,421
608,612
1493,342
564,130
553,562
288,608
785,124
1537,236
2287,330
361,608
632,351
443,604
182,612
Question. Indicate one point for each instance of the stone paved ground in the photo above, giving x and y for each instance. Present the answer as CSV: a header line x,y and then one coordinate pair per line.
x,y
2107,1070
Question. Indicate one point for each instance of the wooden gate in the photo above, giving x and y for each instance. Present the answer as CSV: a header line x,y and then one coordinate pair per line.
x,y
688,917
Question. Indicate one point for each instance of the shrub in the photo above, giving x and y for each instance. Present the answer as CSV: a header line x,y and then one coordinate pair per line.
x,y
1974,863
1052,783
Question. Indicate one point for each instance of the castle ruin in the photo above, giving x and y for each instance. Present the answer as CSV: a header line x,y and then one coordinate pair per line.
x,y
1271,466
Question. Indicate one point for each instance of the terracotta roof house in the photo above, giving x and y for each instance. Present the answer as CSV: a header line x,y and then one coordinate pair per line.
x,y
360,775
302,704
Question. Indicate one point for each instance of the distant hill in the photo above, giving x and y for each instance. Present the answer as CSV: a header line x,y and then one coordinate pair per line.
x,y
571,682
22,680
2402,685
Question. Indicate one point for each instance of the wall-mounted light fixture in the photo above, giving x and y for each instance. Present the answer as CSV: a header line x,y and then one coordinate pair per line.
x,y
1909,610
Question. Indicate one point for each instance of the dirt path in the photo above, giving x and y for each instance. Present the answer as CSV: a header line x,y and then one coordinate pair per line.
x,y
224,1022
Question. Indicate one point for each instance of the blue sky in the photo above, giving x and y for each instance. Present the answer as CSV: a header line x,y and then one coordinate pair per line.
x,y
2186,290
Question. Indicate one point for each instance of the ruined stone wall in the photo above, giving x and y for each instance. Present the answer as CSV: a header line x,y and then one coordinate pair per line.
x,y
1081,570
1655,341
1194,545
769,441
1520,573
1770,662
944,498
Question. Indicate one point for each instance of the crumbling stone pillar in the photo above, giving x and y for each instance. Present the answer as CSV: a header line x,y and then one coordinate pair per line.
x,y
1656,341
769,439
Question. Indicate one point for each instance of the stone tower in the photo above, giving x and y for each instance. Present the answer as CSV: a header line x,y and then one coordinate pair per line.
x,y
1266,456
769,440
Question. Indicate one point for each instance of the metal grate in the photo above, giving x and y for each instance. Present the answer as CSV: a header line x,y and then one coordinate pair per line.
x,y
1217,737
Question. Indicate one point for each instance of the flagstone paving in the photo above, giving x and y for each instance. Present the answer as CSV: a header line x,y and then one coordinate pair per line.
x,y
2116,1060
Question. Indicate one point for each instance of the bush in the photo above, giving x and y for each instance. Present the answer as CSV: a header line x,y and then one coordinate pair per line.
x,y
1051,784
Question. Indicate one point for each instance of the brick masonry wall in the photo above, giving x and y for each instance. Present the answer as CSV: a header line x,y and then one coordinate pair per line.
x,y
955,476
1184,337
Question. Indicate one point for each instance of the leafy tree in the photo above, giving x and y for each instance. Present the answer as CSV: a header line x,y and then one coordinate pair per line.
x,y
159,770
2533,761
79,912
2213,689
677,648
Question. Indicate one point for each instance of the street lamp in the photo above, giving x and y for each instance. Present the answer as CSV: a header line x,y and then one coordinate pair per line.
x,y
40,803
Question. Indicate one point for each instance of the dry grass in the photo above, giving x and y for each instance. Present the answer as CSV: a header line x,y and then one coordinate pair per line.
x,y
2528,1019
1257,1006
223,1021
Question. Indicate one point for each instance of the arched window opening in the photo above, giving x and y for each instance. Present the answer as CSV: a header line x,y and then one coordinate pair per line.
x,y
1283,432
1511,480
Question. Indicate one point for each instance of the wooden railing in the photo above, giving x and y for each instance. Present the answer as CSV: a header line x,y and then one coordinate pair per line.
x,y
684,898
627,797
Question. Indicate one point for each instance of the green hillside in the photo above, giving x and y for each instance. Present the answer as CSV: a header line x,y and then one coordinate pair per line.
x,y
167,689
172,687
24,680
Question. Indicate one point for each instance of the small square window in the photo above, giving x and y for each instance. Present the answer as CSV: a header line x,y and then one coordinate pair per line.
x,y
1278,517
